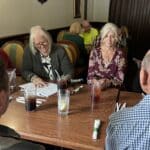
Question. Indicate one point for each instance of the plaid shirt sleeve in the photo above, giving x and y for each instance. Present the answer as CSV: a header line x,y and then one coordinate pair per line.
x,y
129,129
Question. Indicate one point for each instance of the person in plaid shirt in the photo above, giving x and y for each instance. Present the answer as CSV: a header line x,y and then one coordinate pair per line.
x,y
129,129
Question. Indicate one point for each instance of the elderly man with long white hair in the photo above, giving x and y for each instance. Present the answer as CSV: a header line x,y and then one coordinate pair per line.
x,y
43,60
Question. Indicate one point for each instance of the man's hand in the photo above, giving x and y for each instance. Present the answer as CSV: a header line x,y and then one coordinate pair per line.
x,y
37,81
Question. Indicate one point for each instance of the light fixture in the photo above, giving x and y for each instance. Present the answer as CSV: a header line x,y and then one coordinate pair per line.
x,y
42,1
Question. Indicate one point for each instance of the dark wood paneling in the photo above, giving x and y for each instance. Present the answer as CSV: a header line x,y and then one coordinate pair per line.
x,y
135,14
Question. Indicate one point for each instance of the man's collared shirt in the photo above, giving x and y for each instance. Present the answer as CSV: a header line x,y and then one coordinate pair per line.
x,y
90,36
129,129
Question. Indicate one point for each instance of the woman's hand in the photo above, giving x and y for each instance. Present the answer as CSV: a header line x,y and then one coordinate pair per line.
x,y
105,83
37,81
102,83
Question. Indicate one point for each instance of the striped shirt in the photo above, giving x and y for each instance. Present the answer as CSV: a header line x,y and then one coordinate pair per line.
x,y
129,129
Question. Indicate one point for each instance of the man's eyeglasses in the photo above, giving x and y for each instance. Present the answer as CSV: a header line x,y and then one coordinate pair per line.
x,y
39,45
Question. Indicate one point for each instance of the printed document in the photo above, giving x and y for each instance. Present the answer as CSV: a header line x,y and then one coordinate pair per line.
x,y
48,90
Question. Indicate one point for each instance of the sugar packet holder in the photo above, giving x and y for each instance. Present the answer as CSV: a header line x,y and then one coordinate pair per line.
x,y
97,124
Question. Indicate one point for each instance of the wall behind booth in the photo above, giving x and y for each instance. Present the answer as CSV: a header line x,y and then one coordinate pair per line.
x,y
17,16
98,10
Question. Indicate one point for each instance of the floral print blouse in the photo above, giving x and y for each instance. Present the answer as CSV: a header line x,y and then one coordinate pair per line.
x,y
114,70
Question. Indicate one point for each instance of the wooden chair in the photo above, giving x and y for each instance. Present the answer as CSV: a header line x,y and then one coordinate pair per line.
x,y
14,50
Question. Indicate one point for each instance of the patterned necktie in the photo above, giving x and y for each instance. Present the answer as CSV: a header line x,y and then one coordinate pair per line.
x,y
46,61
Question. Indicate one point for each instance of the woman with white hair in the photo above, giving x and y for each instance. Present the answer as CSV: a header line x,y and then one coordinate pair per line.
x,y
43,60
107,61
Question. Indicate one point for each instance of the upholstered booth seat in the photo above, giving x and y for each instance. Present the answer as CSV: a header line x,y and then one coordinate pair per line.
x,y
71,50
73,53
5,58
14,50
61,35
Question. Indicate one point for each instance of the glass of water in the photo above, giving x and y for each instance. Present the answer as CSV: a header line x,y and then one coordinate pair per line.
x,y
63,101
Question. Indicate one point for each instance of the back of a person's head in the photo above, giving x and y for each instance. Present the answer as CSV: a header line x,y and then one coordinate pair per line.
x,y
3,77
146,62
145,73
3,88
109,27
75,28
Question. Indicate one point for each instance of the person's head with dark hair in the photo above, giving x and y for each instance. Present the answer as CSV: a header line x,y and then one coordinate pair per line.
x,y
7,133
3,88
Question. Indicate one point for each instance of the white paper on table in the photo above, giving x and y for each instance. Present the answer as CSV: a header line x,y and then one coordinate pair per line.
x,y
45,91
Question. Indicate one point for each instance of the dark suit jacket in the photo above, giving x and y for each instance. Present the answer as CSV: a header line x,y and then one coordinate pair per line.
x,y
32,64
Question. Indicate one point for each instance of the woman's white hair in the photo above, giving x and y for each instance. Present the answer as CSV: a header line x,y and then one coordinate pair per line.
x,y
38,31
109,27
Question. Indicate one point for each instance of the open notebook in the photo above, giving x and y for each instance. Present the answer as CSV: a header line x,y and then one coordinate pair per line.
x,y
45,91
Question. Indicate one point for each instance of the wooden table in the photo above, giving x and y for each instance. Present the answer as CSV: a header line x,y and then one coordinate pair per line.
x,y
73,131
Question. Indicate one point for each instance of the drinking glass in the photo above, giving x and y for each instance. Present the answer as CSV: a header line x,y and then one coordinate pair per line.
x,y
12,79
95,94
63,101
61,84
30,98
